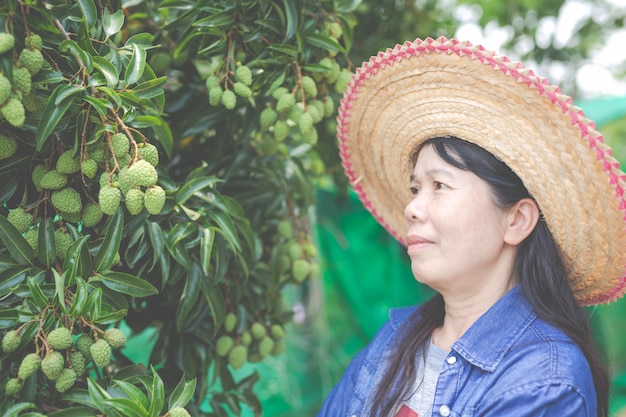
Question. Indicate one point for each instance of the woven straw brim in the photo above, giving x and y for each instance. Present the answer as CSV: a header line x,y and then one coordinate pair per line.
x,y
432,88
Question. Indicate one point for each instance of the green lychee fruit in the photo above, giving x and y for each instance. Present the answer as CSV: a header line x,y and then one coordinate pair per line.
x,y
52,365
154,199
268,117
285,229
242,90
68,163
28,366
109,198
329,107
265,346
279,92
125,181
8,146
215,95
32,103
5,88
246,338
101,353
211,81
281,130
83,345
258,330
67,200
14,112
70,217
115,337
295,250
89,167
33,41
229,99
342,81
310,137
244,74
78,362
60,338
98,154
277,331
32,237
134,201
7,41
300,270
279,347
19,218
22,80
305,123
150,153
92,214
238,356
120,144
53,180
66,380
143,173
178,412
31,59
285,103
309,86
13,387
334,30
224,345
38,172
316,109
230,322
63,240
11,341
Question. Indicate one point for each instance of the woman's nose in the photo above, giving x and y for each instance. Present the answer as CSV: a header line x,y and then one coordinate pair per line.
x,y
416,209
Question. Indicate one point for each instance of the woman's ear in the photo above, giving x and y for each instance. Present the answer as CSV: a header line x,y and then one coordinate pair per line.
x,y
521,221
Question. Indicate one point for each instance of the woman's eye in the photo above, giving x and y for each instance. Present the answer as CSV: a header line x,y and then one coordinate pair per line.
x,y
439,185
414,190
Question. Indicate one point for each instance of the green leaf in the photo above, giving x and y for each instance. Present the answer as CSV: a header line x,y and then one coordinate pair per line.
x,y
291,12
157,240
227,229
180,232
10,278
38,296
52,114
224,18
89,10
136,66
112,23
74,412
215,300
125,406
8,318
324,42
183,393
111,244
206,247
59,285
93,306
46,247
63,95
99,395
156,394
193,186
149,89
108,70
80,298
135,394
18,247
77,260
128,284
99,105
188,298
73,48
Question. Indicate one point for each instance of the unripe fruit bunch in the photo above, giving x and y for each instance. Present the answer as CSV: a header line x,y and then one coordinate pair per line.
x,y
19,218
115,337
101,353
28,366
60,338
52,365
11,341
8,146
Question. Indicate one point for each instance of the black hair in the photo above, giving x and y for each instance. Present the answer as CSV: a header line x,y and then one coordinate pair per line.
x,y
538,267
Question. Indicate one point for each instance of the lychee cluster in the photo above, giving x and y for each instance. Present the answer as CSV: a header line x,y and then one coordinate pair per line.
x,y
250,345
135,183
65,359
17,94
224,91
296,260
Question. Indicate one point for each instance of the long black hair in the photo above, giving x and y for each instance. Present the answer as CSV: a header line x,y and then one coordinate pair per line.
x,y
538,267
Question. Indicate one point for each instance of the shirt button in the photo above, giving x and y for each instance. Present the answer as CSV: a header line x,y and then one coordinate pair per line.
x,y
451,360
444,411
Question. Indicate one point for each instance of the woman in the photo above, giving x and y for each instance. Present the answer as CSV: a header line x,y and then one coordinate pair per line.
x,y
514,213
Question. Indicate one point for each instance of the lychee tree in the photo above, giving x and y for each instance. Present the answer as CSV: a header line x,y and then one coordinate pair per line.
x,y
158,163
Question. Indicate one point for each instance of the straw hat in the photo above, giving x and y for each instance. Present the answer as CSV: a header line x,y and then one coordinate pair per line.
x,y
430,88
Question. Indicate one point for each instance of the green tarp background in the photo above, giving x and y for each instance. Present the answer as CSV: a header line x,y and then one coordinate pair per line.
x,y
365,272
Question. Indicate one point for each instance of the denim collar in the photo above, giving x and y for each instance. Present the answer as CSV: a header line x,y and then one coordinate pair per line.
x,y
488,340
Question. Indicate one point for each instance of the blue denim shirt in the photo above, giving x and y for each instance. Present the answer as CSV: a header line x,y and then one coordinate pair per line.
x,y
508,363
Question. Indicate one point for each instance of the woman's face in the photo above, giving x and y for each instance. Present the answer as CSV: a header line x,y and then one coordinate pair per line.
x,y
455,231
